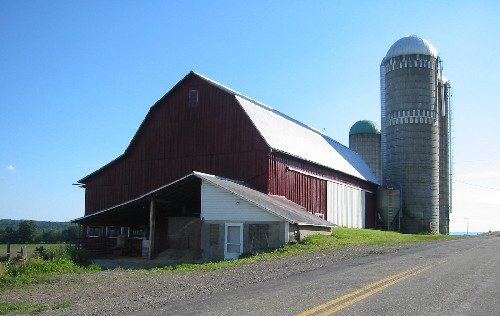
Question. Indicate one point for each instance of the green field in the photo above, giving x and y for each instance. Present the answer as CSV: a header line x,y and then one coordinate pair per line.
x,y
15,248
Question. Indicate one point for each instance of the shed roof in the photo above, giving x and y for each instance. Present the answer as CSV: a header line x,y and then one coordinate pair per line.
x,y
279,206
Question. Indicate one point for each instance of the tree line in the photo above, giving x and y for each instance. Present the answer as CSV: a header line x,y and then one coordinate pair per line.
x,y
27,231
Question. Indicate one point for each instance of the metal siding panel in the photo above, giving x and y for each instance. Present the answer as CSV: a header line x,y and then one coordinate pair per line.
x,y
220,205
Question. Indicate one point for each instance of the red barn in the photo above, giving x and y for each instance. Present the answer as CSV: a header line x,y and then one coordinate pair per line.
x,y
203,126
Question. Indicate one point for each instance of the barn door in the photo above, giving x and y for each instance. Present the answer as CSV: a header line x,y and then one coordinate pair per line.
x,y
345,205
233,241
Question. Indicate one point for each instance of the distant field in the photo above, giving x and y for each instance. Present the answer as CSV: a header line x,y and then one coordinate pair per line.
x,y
14,248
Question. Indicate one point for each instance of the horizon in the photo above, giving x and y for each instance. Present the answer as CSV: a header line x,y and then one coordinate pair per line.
x,y
450,233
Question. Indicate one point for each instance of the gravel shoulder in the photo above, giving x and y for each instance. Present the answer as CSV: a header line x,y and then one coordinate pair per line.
x,y
117,292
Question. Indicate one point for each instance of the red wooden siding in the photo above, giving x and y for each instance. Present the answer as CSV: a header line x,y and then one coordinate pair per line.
x,y
304,190
310,192
215,137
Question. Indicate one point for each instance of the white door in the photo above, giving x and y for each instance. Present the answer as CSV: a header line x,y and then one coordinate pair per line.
x,y
233,241
345,205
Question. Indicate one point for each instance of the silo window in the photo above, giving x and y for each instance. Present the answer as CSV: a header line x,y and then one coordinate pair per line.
x,y
193,98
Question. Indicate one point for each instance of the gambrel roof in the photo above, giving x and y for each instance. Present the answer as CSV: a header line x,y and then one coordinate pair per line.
x,y
289,136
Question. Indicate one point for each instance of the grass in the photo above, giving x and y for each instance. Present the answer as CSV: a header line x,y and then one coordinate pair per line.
x,y
14,248
46,266
7,307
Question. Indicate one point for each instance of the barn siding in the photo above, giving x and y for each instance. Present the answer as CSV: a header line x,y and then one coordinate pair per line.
x,y
214,137
310,192
304,190
218,204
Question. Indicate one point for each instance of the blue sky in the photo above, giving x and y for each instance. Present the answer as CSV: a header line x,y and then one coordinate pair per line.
x,y
77,79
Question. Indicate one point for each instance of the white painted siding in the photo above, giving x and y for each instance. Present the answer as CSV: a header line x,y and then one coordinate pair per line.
x,y
345,205
220,205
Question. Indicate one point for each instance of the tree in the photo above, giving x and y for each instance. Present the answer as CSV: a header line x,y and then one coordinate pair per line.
x,y
10,235
51,235
70,233
26,231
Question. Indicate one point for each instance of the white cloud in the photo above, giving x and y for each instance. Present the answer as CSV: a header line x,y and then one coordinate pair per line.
x,y
10,168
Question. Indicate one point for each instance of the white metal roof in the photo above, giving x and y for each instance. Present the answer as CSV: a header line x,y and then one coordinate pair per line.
x,y
411,44
286,135
282,133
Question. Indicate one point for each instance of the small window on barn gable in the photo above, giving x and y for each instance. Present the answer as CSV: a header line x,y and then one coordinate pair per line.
x,y
259,236
193,98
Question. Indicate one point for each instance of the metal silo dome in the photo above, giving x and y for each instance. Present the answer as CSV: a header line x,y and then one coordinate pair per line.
x,y
364,127
411,44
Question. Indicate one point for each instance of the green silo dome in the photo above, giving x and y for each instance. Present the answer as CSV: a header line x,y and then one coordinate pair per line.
x,y
364,127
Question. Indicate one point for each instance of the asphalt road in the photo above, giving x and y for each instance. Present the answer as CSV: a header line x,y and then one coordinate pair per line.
x,y
459,277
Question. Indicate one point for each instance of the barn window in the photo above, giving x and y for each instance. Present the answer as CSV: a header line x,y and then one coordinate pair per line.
x,y
113,231
136,232
94,231
259,236
193,98
214,234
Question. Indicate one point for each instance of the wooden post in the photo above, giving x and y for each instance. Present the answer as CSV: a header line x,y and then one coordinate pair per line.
x,y
24,253
152,224
8,249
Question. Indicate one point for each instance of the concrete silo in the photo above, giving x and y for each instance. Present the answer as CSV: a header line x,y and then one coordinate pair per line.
x,y
364,138
412,116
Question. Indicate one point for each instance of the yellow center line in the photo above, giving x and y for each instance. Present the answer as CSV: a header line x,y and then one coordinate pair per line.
x,y
388,281
370,293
